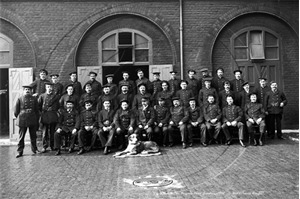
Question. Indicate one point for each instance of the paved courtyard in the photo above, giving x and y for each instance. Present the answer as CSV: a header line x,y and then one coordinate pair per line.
x,y
218,171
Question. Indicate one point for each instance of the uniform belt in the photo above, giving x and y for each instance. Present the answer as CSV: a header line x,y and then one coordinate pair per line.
x,y
29,110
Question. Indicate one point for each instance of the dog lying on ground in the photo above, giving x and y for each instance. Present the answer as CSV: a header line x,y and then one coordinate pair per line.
x,y
135,147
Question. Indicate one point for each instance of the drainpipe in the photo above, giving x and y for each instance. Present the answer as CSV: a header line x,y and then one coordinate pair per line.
x,y
181,39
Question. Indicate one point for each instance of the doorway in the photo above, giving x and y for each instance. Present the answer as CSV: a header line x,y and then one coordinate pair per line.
x,y
4,106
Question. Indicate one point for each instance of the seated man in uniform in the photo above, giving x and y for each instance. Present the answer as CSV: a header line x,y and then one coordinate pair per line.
x,y
124,120
232,117
68,124
145,119
254,115
212,116
106,126
178,120
89,125
195,121
162,115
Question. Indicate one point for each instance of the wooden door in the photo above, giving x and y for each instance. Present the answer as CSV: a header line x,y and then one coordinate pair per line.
x,y
83,72
17,78
163,69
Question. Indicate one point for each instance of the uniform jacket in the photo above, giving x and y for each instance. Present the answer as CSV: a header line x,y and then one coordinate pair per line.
x,y
58,89
66,97
254,111
88,118
218,83
261,93
68,120
48,102
39,86
137,100
113,89
201,80
212,111
96,87
178,114
106,115
26,111
145,116
88,96
273,100
184,96
128,96
222,98
76,86
174,86
156,89
194,86
145,81
167,95
232,113
203,95
124,118
236,85
132,87
243,98
162,114
102,98
195,115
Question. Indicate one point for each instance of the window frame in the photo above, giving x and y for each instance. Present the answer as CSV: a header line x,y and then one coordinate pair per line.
x,y
10,51
118,63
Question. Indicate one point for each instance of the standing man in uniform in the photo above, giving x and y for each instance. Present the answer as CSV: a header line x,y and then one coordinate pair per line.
x,y
137,100
218,82
76,84
69,96
174,83
224,93
193,84
205,91
48,105
274,102
106,95
57,87
113,88
236,84
205,74
96,86
166,94
184,94
27,113
129,82
143,80
124,95
39,85
156,84
68,125
124,120
244,96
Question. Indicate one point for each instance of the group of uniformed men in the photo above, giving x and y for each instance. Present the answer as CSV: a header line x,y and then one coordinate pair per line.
x,y
157,110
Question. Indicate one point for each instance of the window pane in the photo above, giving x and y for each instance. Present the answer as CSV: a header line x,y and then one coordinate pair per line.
x,y
240,53
141,56
255,37
257,51
140,42
109,42
109,56
241,40
271,53
4,57
271,40
125,54
125,38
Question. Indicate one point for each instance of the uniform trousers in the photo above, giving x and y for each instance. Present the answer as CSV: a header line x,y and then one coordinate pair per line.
x,y
48,135
148,131
213,129
82,135
272,119
251,127
201,128
57,138
22,133
106,137
228,135
164,132
121,135
183,133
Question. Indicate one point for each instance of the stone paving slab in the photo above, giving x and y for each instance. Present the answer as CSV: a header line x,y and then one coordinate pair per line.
x,y
217,171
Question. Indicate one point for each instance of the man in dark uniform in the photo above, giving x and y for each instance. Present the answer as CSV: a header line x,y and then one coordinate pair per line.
x,y
195,122
106,126
113,88
88,95
27,114
205,91
68,125
244,96
38,85
174,83
212,116
193,84
48,105
69,96
57,87
236,84
178,120
254,115
274,102
124,95
126,80
218,82
89,125
124,120
232,117
184,94
137,100
166,94
106,95
96,86
224,93
145,118
204,72
76,84
162,115
156,84
143,80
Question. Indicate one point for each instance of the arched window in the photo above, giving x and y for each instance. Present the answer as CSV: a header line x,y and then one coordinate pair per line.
x,y
6,52
125,46
256,51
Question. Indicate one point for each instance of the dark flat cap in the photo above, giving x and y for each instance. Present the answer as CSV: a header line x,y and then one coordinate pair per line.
x,y
92,72
43,71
